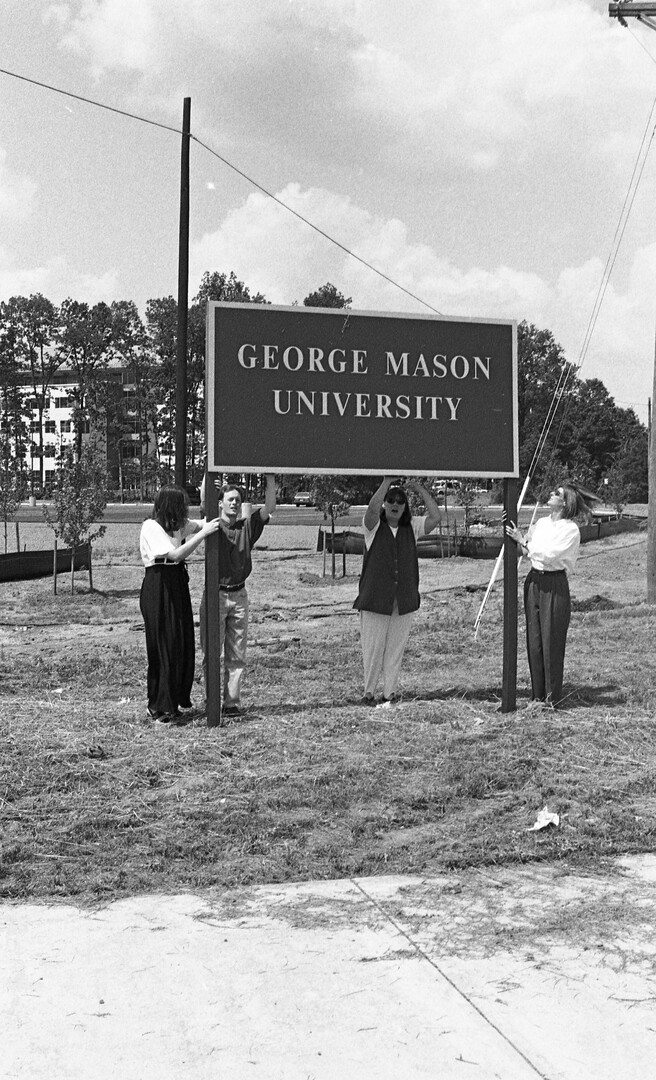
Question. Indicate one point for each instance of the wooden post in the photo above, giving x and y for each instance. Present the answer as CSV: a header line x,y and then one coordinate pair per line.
x,y
651,511
509,678
54,566
183,303
211,631
90,570
17,536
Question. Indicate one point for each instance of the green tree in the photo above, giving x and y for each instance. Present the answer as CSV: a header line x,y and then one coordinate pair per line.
x,y
330,494
79,501
13,482
84,344
327,296
227,287
130,341
541,369
35,337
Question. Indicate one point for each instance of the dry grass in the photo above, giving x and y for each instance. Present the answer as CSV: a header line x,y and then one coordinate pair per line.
x,y
96,803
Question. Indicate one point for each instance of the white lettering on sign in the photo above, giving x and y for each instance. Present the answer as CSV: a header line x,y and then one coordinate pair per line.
x,y
294,358
438,366
364,406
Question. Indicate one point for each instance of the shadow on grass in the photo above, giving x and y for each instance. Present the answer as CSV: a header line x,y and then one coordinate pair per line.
x,y
592,697
118,594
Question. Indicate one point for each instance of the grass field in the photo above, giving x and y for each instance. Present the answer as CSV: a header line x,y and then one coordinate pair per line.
x,y
95,803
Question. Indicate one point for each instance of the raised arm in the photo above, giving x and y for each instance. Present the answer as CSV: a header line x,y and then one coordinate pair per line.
x,y
372,513
269,497
432,509
194,541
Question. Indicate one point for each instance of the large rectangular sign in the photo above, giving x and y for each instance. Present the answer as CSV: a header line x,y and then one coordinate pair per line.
x,y
325,390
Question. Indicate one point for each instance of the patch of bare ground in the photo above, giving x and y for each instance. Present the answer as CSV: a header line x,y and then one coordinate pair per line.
x,y
96,804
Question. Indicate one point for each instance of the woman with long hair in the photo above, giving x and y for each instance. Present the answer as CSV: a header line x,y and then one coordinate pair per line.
x,y
166,539
552,544
389,583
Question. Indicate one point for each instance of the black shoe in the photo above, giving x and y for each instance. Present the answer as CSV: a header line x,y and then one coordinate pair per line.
x,y
181,719
159,717
232,710
368,699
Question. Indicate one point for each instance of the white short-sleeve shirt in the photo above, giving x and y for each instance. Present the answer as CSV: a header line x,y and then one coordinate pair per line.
x,y
418,526
554,545
154,542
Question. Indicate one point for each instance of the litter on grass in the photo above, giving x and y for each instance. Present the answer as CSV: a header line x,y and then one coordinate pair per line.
x,y
545,818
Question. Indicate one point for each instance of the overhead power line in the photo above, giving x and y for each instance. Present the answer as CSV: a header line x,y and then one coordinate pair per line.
x,y
240,172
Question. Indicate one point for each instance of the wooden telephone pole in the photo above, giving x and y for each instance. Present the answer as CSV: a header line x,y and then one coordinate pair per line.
x,y
645,14
183,300
651,505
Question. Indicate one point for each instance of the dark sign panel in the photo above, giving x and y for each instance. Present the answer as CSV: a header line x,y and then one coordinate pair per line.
x,y
320,390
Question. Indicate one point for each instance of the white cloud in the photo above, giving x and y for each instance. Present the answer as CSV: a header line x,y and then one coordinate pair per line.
x,y
56,279
16,193
112,34
278,255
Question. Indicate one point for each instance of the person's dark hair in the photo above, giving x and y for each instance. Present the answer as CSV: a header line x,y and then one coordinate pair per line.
x,y
406,516
578,502
171,507
231,487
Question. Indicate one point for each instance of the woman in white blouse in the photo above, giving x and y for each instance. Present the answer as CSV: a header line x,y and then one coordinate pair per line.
x,y
552,545
166,539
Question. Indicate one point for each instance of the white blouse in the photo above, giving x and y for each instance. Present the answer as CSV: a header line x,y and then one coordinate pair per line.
x,y
554,545
418,528
155,542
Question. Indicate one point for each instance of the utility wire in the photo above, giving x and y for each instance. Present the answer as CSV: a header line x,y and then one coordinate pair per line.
x,y
245,176
315,227
90,101
571,369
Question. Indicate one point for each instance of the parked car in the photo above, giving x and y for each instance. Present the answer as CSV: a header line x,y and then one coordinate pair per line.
x,y
302,498
448,486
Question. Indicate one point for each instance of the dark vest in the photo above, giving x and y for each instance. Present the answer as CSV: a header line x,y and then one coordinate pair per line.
x,y
390,569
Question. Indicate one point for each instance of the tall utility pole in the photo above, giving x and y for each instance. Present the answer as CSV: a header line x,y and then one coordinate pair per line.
x,y
651,520
646,14
183,301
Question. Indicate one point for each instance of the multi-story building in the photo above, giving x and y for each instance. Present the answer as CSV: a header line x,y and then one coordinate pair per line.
x,y
116,435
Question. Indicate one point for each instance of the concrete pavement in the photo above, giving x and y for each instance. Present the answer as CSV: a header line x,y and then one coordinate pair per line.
x,y
512,974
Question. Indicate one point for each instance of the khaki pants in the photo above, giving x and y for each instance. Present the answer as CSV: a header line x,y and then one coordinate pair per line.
x,y
383,638
233,639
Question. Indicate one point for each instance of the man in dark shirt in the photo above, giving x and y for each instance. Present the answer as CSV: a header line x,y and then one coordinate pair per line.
x,y
237,535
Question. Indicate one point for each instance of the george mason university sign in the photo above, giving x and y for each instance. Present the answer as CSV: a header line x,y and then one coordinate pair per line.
x,y
324,390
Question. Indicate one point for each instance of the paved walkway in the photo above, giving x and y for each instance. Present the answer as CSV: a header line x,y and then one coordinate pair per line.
x,y
511,974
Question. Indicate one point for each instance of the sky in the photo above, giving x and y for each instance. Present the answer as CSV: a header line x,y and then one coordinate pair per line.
x,y
480,154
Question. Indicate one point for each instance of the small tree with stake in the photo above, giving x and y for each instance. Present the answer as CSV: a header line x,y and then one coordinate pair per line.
x,y
330,495
79,500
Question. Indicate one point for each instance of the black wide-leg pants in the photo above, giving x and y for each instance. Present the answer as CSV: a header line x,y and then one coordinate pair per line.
x,y
170,645
548,609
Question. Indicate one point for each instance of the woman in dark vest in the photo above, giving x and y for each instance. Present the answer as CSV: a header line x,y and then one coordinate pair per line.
x,y
389,583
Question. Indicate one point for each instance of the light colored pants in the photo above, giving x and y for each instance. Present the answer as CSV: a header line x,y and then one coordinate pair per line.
x,y
384,638
233,639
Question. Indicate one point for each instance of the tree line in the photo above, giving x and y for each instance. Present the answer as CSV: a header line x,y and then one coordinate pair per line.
x,y
591,439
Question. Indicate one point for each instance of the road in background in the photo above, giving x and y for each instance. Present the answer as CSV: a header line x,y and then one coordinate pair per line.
x,y
285,514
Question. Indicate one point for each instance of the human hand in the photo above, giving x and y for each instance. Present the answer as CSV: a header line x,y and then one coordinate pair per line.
x,y
211,526
514,533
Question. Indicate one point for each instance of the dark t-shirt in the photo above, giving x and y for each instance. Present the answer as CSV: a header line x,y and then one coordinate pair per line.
x,y
235,543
